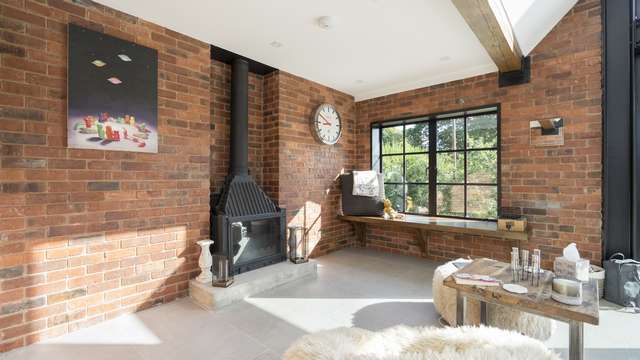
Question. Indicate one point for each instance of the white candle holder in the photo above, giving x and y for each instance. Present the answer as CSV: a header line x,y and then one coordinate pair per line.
x,y
205,261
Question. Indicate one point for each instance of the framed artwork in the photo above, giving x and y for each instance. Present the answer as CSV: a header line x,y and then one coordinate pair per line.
x,y
112,93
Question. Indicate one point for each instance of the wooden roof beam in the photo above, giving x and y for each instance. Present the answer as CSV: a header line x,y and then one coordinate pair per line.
x,y
489,22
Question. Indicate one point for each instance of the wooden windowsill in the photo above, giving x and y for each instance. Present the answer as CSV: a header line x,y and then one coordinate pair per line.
x,y
459,226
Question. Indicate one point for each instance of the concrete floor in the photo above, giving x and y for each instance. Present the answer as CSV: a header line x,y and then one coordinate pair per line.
x,y
354,287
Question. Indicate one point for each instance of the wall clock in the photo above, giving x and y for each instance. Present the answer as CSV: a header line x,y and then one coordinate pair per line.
x,y
326,124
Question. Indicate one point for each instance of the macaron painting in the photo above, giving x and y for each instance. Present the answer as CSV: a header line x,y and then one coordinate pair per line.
x,y
112,93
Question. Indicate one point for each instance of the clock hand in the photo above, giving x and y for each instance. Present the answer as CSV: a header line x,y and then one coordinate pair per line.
x,y
326,122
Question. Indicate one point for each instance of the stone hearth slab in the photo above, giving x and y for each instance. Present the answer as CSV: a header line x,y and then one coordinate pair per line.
x,y
250,283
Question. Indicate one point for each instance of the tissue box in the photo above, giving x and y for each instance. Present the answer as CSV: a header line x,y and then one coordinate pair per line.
x,y
563,267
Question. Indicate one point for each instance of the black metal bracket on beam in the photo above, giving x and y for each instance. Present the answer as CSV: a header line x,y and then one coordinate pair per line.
x,y
516,77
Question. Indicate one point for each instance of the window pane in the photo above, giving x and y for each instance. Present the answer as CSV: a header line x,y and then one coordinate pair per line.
x,y
417,137
482,166
392,140
417,199
450,167
482,202
482,131
392,168
375,149
417,168
450,200
450,134
396,195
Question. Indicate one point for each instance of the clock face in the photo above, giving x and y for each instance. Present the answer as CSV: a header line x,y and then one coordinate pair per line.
x,y
326,124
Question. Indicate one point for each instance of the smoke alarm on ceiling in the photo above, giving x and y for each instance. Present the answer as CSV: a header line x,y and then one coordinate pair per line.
x,y
327,22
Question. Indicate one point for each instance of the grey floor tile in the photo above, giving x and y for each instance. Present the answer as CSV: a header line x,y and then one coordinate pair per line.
x,y
354,287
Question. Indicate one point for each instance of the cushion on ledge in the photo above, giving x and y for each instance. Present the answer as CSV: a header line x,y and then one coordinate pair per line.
x,y
360,205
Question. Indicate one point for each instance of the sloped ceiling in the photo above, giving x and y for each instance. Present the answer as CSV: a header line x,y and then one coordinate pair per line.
x,y
375,48
532,20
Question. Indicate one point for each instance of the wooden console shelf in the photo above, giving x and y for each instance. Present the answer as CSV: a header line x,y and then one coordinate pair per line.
x,y
424,224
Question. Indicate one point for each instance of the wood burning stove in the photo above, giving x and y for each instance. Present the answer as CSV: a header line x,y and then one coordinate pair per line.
x,y
247,226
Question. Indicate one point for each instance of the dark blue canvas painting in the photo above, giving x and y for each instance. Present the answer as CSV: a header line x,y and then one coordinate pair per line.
x,y
112,93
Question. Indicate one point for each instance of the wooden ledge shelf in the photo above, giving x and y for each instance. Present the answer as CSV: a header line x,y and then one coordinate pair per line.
x,y
424,224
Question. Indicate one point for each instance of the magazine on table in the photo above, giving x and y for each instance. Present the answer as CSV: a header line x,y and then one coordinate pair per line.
x,y
477,280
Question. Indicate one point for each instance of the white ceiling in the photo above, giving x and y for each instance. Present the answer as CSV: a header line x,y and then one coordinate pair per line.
x,y
532,20
377,47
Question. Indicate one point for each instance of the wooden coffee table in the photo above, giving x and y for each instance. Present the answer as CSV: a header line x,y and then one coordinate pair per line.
x,y
538,301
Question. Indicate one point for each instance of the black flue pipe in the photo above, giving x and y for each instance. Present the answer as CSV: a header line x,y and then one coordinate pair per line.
x,y
239,117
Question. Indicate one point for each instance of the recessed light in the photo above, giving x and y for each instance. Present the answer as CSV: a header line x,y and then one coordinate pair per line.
x,y
114,80
327,22
124,57
98,63
445,58
359,81
275,44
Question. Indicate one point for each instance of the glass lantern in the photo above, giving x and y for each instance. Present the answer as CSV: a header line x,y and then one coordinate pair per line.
x,y
223,278
298,247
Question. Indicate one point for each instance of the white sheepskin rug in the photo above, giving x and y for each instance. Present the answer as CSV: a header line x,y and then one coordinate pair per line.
x,y
406,343
444,300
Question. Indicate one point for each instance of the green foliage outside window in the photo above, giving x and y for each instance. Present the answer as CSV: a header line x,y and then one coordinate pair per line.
x,y
405,164
414,181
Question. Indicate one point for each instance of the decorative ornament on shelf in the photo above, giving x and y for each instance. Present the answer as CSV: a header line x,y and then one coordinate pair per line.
x,y
515,223
205,261
389,212
547,132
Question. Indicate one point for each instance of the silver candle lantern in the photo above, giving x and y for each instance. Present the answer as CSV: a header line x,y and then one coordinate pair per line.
x,y
298,244
223,278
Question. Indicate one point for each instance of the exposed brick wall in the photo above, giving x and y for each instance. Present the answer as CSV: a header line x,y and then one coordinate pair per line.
x,y
270,135
307,170
293,168
86,235
557,188
221,117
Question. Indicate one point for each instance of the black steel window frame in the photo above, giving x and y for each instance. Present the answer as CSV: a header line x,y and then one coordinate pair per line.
x,y
432,120
621,133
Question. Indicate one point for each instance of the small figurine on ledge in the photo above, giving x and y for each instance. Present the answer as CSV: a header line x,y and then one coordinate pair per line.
x,y
389,212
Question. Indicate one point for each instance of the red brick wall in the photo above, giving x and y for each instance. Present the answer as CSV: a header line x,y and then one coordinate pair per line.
x,y
307,170
86,235
221,116
270,135
557,188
